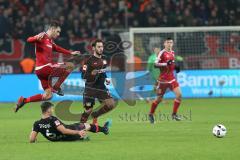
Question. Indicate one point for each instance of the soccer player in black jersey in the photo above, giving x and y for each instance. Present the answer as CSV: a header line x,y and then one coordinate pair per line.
x,y
54,130
94,73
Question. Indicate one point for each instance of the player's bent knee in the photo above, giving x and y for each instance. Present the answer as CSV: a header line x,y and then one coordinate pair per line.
x,y
159,99
47,96
110,104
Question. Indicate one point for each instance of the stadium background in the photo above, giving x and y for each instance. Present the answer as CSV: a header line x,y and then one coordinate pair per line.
x,y
82,21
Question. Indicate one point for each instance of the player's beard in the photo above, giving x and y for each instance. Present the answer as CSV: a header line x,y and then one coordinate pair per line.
x,y
99,53
55,37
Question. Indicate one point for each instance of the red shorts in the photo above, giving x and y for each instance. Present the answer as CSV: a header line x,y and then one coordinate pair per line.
x,y
46,73
163,86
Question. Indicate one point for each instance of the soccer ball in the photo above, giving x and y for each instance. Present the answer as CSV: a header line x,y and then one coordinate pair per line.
x,y
219,130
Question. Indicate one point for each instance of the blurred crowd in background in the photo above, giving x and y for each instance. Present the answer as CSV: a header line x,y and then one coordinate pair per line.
x,y
83,18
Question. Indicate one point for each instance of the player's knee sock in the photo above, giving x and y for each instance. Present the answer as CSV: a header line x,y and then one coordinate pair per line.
x,y
176,105
84,117
153,107
95,121
61,79
95,128
35,98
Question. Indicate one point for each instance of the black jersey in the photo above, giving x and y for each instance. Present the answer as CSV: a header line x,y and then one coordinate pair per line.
x,y
48,128
94,72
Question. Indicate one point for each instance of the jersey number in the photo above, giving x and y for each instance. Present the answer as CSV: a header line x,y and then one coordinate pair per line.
x,y
50,135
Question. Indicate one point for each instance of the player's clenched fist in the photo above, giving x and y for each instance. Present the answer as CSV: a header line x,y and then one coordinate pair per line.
x,y
169,62
82,133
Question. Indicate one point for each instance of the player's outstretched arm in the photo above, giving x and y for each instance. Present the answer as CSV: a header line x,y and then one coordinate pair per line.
x,y
36,38
67,131
64,51
33,137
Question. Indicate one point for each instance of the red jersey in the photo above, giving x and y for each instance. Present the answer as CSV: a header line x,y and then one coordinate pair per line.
x,y
44,50
166,71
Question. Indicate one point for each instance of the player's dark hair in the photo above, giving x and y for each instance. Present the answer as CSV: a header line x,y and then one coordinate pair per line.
x,y
96,41
168,39
45,106
54,24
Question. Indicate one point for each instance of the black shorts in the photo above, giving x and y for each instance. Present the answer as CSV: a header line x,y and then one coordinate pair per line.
x,y
75,126
90,94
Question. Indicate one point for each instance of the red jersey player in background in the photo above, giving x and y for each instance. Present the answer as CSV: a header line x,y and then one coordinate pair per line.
x,y
165,62
45,68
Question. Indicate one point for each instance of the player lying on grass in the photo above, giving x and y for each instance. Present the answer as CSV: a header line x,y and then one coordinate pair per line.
x,y
94,74
165,62
46,68
54,130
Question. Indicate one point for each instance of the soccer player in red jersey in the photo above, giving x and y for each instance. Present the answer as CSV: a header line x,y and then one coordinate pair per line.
x,y
45,67
165,62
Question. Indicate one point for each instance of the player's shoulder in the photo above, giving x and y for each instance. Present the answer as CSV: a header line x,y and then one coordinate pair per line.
x,y
36,125
37,122
53,118
45,36
161,52
44,40
47,39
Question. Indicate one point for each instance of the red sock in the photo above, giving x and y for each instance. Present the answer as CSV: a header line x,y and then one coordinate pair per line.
x,y
176,106
35,98
153,107
97,128
61,79
95,121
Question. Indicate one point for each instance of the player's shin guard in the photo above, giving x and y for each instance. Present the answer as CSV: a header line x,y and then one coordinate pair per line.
x,y
153,107
176,105
84,117
95,121
35,98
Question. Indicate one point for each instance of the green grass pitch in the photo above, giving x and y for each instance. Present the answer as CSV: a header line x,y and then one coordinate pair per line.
x,y
131,136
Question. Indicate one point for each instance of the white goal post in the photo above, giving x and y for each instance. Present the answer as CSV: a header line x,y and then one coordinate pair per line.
x,y
201,47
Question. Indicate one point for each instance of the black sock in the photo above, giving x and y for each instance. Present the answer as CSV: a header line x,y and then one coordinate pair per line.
x,y
84,117
95,128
